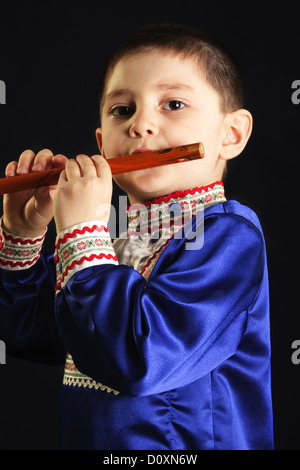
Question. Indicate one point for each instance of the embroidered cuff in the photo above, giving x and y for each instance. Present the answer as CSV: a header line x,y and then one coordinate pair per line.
x,y
18,253
81,246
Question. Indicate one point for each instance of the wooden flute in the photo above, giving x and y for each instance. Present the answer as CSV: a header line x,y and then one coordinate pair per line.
x,y
136,161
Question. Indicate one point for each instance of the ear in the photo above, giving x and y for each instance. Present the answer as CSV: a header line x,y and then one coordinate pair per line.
x,y
238,128
99,139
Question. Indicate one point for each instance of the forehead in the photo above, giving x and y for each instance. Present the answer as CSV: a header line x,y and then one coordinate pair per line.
x,y
152,67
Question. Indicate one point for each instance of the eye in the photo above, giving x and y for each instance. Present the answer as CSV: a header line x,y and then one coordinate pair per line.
x,y
174,105
122,111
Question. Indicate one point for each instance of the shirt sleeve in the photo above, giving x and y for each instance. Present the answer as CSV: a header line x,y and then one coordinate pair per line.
x,y
144,337
17,253
27,280
81,246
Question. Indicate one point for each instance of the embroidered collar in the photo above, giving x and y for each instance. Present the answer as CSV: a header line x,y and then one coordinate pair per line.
x,y
173,209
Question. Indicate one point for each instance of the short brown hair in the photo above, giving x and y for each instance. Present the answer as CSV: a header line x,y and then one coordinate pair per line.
x,y
219,66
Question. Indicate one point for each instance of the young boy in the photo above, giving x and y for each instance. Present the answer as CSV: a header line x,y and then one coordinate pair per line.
x,y
167,346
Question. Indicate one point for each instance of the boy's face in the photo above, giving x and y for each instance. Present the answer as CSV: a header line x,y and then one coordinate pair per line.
x,y
156,100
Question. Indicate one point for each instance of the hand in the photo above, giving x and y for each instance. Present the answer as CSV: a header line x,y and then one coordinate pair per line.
x,y
83,192
27,213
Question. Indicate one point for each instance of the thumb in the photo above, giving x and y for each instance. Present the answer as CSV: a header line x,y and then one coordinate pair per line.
x,y
59,161
102,166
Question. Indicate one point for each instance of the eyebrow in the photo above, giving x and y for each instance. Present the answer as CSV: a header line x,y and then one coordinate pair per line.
x,y
116,93
164,86
174,86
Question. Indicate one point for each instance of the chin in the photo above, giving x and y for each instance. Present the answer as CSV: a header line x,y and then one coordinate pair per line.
x,y
144,185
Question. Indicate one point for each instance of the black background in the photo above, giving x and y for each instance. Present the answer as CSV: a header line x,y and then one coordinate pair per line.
x,y
51,59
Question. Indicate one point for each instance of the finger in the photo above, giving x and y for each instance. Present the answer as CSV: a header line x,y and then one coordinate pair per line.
x,y
72,169
58,161
62,176
43,160
11,169
87,167
25,162
102,167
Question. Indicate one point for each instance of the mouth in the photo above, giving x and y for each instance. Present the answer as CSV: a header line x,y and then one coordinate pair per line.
x,y
141,150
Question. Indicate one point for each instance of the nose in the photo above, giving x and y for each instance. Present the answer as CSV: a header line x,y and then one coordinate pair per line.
x,y
143,125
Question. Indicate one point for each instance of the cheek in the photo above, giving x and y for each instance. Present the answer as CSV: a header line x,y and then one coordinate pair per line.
x,y
124,181
212,140
110,142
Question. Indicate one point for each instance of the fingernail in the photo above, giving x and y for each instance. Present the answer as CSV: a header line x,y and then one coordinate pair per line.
x,y
21,169
36,167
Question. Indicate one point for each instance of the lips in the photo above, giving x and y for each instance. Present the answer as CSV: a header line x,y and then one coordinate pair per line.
x,y
141,150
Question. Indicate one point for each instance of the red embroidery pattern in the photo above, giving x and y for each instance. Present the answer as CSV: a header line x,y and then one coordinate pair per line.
x,y
19,253
77,231
20,264
79,246
190,202
175,209
26,241
81,261
183,194
147,268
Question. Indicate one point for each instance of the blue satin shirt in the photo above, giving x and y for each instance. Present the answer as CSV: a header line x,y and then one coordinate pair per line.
x,y
178,360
